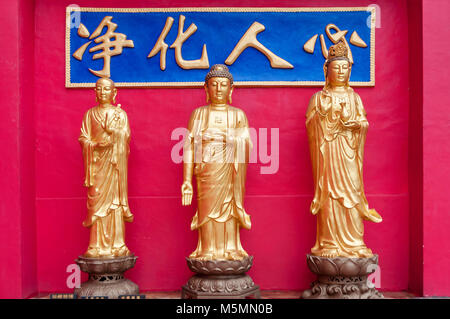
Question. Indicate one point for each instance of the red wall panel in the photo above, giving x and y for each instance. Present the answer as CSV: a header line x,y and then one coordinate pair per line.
x,y
436,149
17,166
10,224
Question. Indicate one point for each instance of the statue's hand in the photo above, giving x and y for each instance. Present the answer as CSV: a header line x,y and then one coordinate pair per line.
x,y
314,208
186,193
325,102
103,144
105,124
352,125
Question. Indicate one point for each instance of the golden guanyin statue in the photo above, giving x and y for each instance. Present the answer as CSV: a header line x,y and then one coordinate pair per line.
x,y
105,136
216,151
337,126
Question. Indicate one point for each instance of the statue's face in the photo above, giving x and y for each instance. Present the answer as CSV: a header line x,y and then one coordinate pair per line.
x,y
105,91
338,72
218,90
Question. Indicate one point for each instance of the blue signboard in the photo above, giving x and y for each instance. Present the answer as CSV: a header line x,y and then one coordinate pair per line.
x,y
174,47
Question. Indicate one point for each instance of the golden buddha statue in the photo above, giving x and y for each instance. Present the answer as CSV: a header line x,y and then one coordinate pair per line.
x,y
105,136
216,151
337,126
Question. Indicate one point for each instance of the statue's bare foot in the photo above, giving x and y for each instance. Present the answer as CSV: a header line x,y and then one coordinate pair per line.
x,y
329,253
235,255
365,253
243,253
92,253
205,256
121,252
194,255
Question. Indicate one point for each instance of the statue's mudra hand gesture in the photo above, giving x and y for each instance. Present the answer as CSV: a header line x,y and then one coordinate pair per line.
x,y
186,193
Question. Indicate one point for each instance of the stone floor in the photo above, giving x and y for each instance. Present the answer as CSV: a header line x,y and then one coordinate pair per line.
x,y
265,294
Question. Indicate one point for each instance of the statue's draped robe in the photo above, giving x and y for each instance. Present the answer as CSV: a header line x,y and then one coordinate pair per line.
x,y
337,160
220,169
106,179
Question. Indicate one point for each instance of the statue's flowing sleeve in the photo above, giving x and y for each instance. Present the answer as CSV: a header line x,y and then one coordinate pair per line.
x,y
122,145
88,148
362,119
316,139
243,149
194,127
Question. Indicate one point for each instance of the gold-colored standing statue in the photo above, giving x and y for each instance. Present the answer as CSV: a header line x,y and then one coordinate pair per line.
x,y
105,136
216,152
337,126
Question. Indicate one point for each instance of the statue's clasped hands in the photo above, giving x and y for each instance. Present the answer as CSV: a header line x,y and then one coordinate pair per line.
x,y
186,193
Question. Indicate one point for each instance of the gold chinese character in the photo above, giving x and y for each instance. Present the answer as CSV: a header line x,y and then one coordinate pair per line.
x,y
249,40
335,38
112,44
161,46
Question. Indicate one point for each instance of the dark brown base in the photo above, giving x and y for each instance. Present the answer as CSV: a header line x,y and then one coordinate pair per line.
x,y
360,290
106,277
220,279
341,278
112,289
220,287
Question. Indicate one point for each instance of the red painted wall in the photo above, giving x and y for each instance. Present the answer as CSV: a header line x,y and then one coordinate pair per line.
x,y
27,139
436,149
10,236
283,229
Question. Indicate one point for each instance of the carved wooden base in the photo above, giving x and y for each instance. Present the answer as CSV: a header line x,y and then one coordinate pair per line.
x,y
106,277
220,279
341,278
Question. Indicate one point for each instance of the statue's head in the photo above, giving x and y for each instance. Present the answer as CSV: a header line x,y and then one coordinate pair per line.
x,y
105,91
337,67
219,84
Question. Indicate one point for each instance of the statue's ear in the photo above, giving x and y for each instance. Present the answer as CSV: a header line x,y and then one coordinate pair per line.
x,y
349,74
114,95
207,94
230,94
